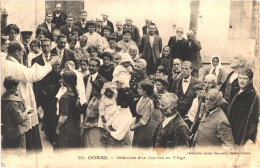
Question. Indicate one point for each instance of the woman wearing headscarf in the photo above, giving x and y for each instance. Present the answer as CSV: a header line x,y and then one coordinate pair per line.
x,y
216,69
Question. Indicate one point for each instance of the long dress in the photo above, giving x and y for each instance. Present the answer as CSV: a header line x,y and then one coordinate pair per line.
x,y
93,134
145,114
70,131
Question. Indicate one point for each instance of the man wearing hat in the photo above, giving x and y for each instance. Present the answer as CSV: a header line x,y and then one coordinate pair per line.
x,y
12,30
107,22
26,38
82,24
48,25
172,132
93,37
135,31
59,17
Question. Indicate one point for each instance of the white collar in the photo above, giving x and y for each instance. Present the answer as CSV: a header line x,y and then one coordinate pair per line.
x,y
94,76
187,79
13,59
47,23
168,119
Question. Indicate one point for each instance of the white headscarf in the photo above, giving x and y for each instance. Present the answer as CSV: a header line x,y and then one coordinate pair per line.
x,y
217,67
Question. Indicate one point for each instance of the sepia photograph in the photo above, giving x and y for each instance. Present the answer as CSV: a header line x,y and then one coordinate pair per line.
x,y
120,83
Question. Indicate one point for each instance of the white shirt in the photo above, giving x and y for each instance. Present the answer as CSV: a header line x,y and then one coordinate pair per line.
x,y
89,86
167,120
44,57
26,76
120,32
185,85
151,40
60,52
94,39
49,26
104,23
83,24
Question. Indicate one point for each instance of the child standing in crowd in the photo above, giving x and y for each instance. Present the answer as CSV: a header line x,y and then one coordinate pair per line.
x,y
112,44
166,61
107,106
160,73
35,51
68,128
14,117
122,72
83,67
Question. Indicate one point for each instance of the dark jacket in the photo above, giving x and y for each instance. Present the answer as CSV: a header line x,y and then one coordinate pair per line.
x,y
67,56
53,27
64,29
215,130
174,134
135,33
118,37
167,63
185,100
243,115
59,21
14,119
110,24
177,47
149,53
192,54
145,31
228,94
82,30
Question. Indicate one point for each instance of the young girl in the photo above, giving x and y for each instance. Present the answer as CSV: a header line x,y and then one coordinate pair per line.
x,y
112,44
14,117
35,51
144,124
122,72
166,61
68,128
107,106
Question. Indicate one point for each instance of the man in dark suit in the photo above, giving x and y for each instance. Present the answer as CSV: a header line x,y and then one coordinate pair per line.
x,y
177,44
107,22
172,132
183,88
94,81
59,17
230,86
69,28
135,31
48,25
150,49
26,38
82,24
146,27
46,89
64,54
192,52
119,33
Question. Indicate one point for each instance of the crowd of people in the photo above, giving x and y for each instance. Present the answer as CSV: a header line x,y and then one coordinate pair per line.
x,y
101,87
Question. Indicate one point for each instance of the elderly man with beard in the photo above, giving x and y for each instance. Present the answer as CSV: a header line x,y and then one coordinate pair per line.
x,y
214,129
244,109
172,132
